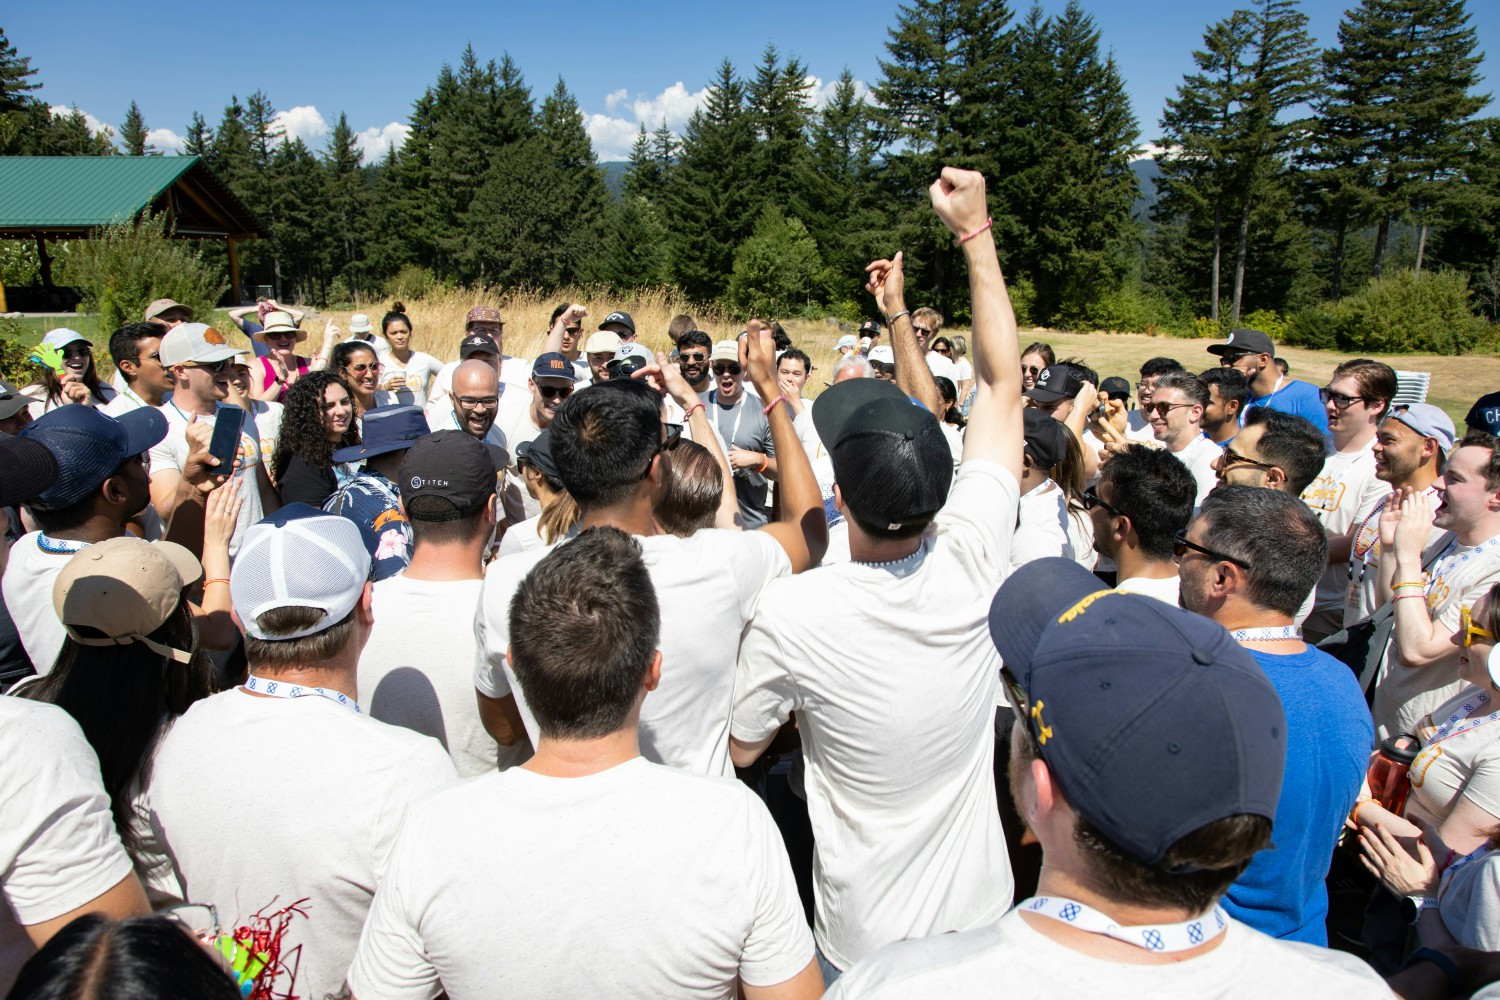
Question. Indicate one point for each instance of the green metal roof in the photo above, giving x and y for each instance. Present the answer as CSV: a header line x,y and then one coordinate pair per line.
x,y
81,192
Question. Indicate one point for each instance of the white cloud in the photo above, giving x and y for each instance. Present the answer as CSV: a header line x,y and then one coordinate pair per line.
x,y
821,92
165,141
305,123
1147,150
375,140
613,134
612,137
615,98
94,124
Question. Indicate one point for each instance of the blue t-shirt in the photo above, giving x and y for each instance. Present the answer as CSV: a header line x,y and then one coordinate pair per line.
x,y
372,501
1295,397
1329,736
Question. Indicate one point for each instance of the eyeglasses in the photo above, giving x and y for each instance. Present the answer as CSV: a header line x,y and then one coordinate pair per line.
x,y
201,920
1182,545
1092,499
1472,631
1146,385
1162,409
1338,399
731,368
374,366
555,391
695,356
478,402
1232,457
668,440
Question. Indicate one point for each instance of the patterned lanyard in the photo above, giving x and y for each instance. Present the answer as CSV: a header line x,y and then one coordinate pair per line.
x,y
1160,938
1267,634
1457,863
1440,570
1460,721
58,546
1357,554
281,689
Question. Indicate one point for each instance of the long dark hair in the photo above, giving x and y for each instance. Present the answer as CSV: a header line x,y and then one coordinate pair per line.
x,y
143,958
53,384
124,698
302,429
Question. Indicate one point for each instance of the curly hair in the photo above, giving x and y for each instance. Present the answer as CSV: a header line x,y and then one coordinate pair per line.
x,y
302,429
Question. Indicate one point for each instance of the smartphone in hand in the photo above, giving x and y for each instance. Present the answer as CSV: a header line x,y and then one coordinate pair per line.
x,y
229,421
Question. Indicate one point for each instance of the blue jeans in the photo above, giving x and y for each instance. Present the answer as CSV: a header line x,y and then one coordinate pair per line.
x,y
830,972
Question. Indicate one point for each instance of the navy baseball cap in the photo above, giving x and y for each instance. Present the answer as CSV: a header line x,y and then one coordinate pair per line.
x,y
90,446
26,469
1152,719
553,365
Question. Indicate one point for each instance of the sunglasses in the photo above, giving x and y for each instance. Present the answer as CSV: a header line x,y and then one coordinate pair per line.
x,y
1181,546
925,331
1032,370
941,350
1232,457
732,368
1162,409
1472,631
1338,399
374,366
672,434
1092,499
212,368
555,391
1027,717
573,330
696,356
1230,360
77,352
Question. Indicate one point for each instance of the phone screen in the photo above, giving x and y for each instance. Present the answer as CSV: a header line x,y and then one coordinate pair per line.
x,y
225,444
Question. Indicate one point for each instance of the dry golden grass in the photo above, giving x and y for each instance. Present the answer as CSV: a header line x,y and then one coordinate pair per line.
x,y
439,321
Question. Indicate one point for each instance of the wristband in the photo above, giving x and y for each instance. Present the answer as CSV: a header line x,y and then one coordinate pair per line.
x,y
891,320
218,579
1399,597
765,411
765,460
696,406
1456,981
1410,583
966,237
1354,813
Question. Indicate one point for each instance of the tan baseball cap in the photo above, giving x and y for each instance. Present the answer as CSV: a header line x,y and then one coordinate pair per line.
x,y
160,306
602,341
124,588
725,350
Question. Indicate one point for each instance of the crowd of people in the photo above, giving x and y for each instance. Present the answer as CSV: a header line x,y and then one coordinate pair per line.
x,y
650,674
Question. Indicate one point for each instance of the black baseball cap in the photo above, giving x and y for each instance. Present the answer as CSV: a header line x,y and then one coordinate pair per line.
x,y
1244,341
11,400
477,343
538,451
1151,718
1115,387
446,476
27,469
1055,383
890,458
622,318
1046,438
870,328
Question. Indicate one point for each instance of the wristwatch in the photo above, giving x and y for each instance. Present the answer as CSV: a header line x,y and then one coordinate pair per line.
x,y
1412,907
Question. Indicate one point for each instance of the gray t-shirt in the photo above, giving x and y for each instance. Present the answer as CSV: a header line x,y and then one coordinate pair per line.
x,y
743,425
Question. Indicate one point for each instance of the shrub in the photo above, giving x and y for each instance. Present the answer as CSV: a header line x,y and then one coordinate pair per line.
x,y
1267,321
14,366
19,264
1022,299
777,269
123,266
1407,312
1317,327
413,281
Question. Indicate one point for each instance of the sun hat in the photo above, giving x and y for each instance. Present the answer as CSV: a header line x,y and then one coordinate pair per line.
x,y
277,321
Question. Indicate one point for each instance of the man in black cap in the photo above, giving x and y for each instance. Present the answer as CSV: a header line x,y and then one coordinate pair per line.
x,y
15,413
1147,757
370,499
1042,529
885,659
416,670
1254,355
26,469
621,325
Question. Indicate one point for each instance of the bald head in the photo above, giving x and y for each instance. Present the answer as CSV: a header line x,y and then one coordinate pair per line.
x,y
476,396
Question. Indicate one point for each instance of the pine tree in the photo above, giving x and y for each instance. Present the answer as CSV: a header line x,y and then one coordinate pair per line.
x,y
16,86
633,251
1400,95
709,201
348,202
299,221
199,140
133,133
578,190
779,109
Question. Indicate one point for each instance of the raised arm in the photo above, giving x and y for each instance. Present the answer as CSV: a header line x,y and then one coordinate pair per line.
x,y
554,341
802,528
703,433
995,425
1421,641
888,284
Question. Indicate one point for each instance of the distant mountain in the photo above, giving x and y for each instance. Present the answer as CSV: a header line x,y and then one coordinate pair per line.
x,y
614,175
1146,174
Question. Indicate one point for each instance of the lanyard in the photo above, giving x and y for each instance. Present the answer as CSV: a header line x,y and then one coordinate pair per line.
x,y
281,689
1245,410
1159,938
1266,634
58,546
1372,547
1458,863
739,412
1460,721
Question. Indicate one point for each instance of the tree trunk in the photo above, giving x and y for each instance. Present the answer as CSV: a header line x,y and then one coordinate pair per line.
x,y
44,260
1240,253
1421,248
1213,310
1382,233
1338,259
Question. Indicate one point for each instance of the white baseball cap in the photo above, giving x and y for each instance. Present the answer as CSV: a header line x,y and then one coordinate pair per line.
x,y
194,342
299,557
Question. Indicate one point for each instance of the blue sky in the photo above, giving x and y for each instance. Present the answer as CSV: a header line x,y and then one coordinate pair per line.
x,y
625,63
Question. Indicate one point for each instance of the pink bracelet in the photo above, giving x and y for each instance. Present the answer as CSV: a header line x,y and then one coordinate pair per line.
x,y
766,410
969,236
696,406
1402,597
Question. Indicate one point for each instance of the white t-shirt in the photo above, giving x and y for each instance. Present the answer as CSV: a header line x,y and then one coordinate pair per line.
x,y
1469,902
1138,427
415,670
1464,765
1166,589
1010,959
126,401
677,884
265,801
266,417
893,676
407,383
1080,529
1460,577
1042,531
58,846
40,404
1199,458
707,585
514,373
522,537
1346,486
172,453
27,586
514,421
